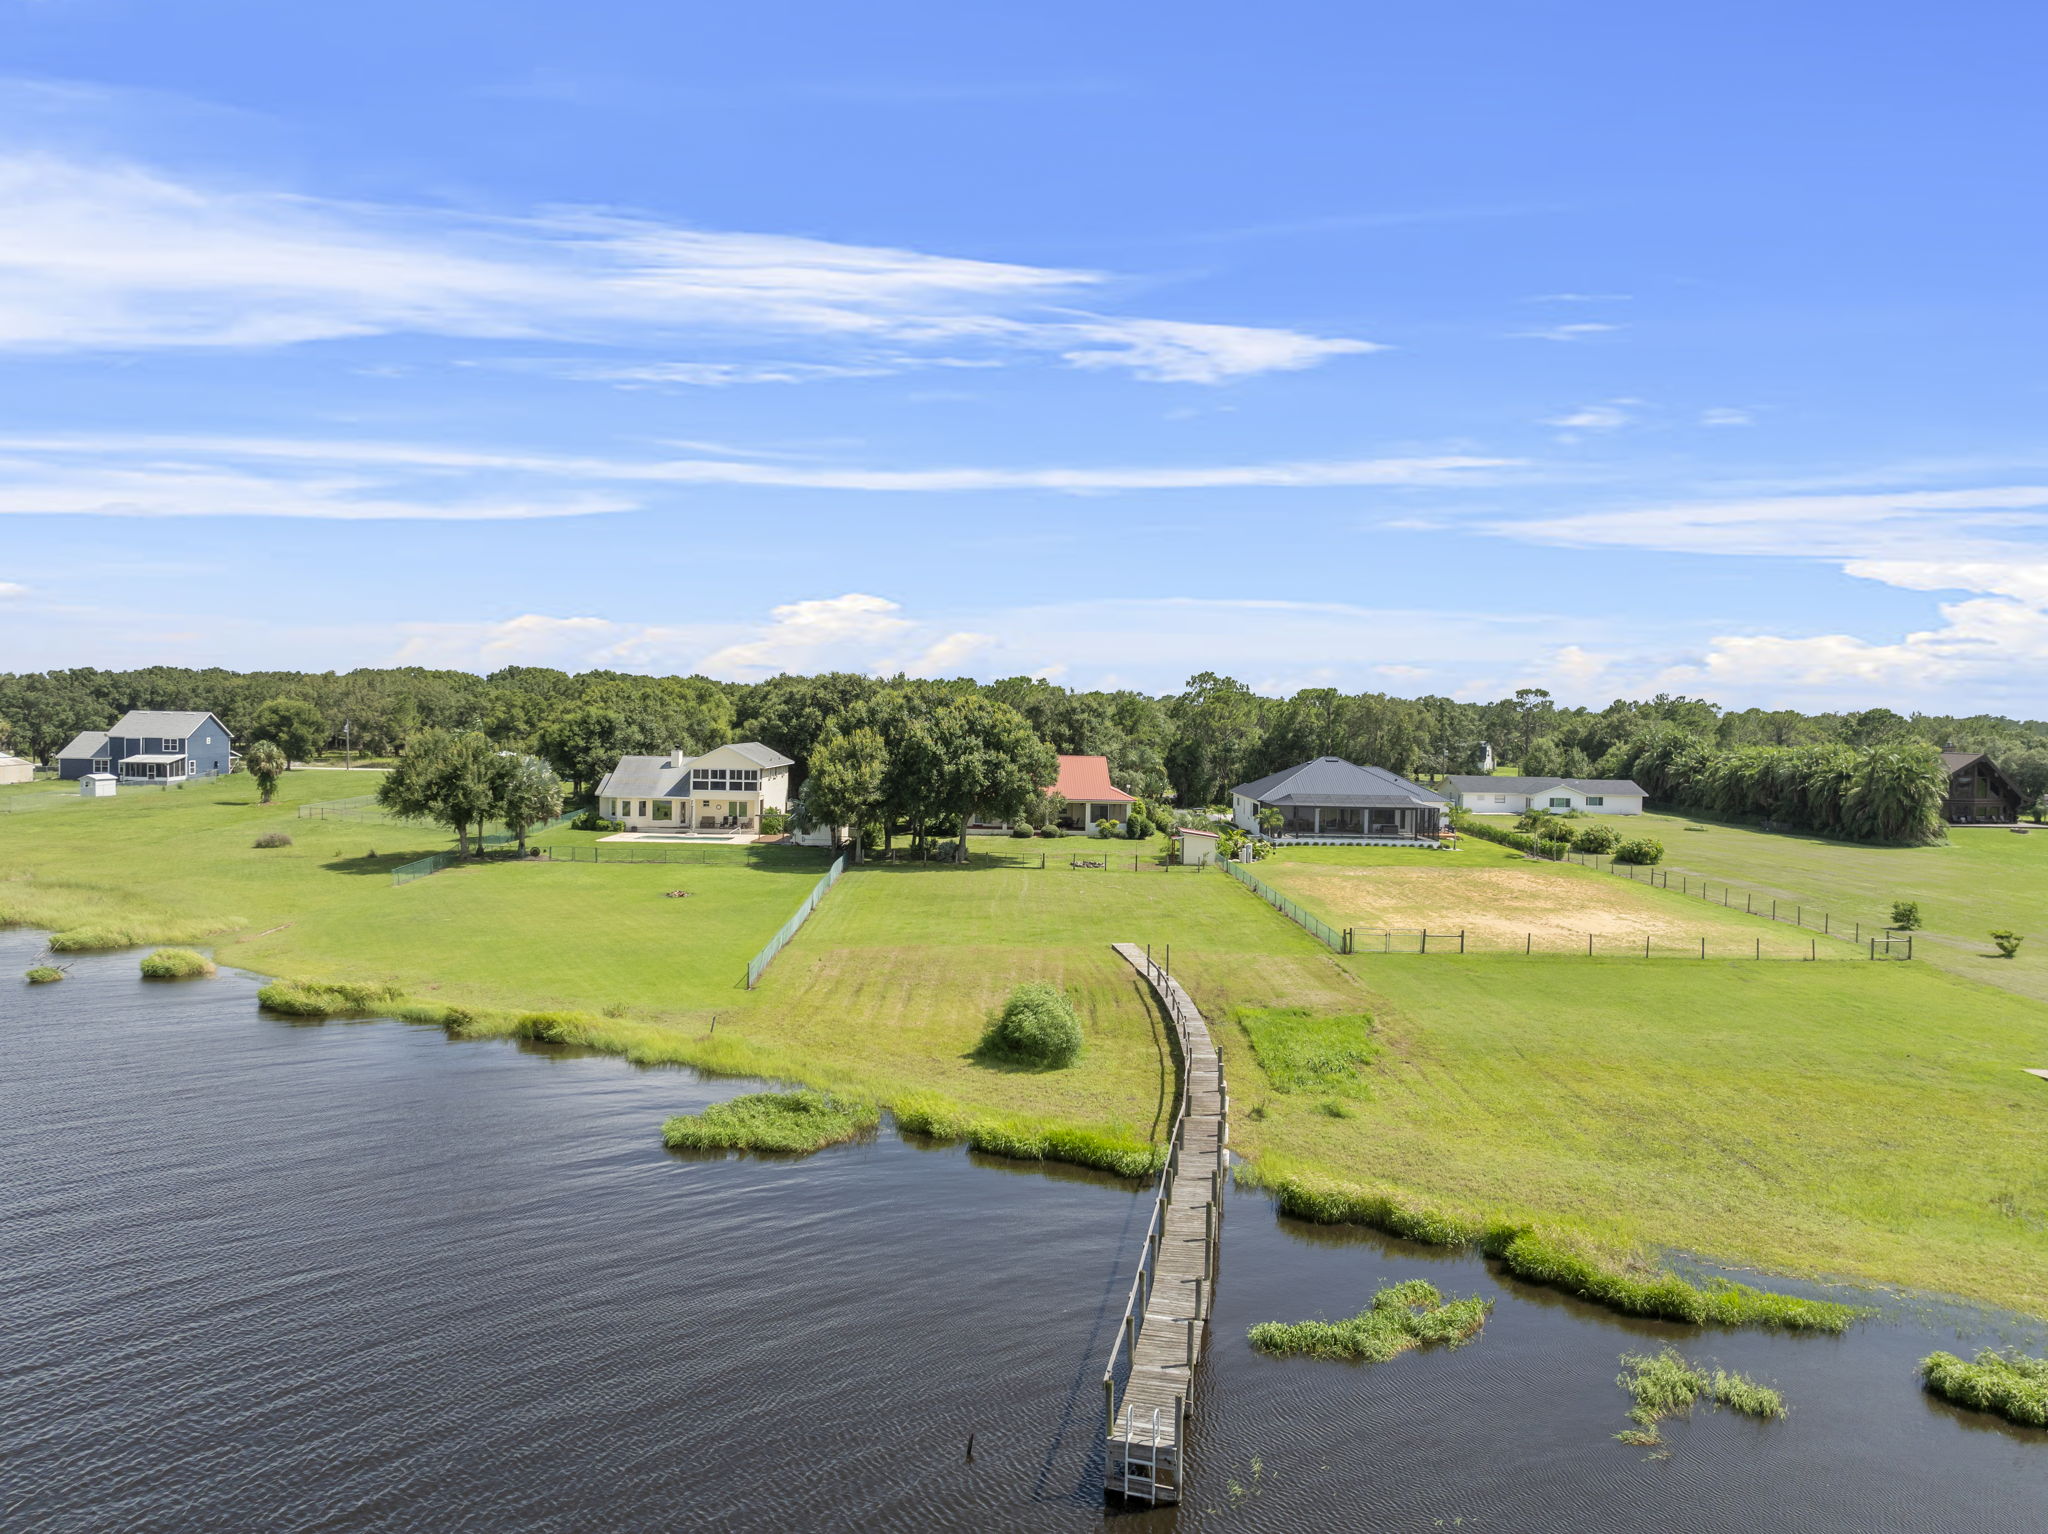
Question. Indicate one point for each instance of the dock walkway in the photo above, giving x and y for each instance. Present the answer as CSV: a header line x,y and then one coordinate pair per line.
x,y
1166,1318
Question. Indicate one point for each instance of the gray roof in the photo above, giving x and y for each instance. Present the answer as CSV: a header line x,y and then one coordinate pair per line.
x,y
647,777
654,777
138,722
1482,783
1331,782
86,743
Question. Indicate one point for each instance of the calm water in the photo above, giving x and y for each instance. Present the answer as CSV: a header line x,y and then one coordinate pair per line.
x,y
258,1275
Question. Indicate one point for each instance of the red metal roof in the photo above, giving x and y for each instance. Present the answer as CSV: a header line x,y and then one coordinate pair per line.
x,y
1085,779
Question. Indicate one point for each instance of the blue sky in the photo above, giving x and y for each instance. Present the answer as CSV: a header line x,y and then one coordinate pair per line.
x,y
1605,348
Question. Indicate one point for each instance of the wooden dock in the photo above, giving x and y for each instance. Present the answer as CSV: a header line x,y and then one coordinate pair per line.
x,y
1166,1318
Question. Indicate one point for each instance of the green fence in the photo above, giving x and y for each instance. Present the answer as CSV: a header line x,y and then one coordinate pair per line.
x,y
433,863
777,943
1314,925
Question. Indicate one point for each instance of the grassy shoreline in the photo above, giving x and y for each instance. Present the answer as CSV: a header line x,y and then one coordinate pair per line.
x,y
1573,1115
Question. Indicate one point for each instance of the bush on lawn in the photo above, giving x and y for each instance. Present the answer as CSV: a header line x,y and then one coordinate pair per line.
x,y
176,964
1640,849
1595,839
1037,1026
272,839
1023,833
1106,828
1906,915
2008,942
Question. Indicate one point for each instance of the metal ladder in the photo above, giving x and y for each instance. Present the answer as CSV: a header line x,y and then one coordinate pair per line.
x,y
1149,1464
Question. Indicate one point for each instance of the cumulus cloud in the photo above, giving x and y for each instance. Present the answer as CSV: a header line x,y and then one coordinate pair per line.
x,y
104,254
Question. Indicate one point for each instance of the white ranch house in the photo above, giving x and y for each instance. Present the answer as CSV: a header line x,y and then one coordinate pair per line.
x,y
1482,795
1332,802
721,792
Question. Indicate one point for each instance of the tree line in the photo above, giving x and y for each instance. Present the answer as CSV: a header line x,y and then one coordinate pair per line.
x,y
1190,746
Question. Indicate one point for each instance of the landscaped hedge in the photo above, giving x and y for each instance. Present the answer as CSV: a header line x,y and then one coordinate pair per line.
x,y
1468,824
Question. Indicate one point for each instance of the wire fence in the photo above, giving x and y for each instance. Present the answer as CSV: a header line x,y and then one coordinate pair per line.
x,y
1792,912
434,862
1314,925
790,928
354,807
1589,945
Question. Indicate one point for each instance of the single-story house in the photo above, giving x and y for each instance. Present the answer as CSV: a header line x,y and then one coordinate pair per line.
x,y
1330,800
1084,783
723,790
1978,793
15,769
151,745
1484,795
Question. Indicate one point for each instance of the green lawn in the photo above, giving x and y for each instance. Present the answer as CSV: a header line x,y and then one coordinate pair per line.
x,y
1867,1121
180,866
1984,878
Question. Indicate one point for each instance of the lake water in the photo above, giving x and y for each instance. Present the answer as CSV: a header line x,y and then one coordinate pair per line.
x,y
354,1276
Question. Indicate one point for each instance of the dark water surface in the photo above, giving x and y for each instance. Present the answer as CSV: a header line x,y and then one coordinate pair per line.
x,y
264,1276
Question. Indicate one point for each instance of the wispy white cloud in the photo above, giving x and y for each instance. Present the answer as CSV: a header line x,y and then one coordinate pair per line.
x,y
117,475
1579,298
1609,415
13,589
103,254
1584,330
1726,415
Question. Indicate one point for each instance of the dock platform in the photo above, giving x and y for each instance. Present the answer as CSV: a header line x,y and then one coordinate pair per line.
x,y
1166,1319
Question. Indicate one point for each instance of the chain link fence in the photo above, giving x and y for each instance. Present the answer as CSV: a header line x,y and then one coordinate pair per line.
x,y
790,928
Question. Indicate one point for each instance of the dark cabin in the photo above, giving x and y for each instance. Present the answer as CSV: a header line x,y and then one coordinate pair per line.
x,y
1978,793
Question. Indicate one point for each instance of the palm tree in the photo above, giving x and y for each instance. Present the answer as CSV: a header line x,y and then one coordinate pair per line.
x,y
1895,794
265,761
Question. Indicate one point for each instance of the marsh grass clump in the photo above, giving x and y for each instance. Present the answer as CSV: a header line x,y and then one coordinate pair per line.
x,y
176,964
306,998
1301,1051
2008,1384
43,974
272,839
1666,1385
790,1122
1402,1316
1107,1150
1036,1026
1622,1281
549,1027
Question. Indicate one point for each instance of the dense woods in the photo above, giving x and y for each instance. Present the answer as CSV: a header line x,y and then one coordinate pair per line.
x,y
1868,774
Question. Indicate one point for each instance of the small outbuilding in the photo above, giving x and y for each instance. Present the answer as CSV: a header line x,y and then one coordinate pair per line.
x,y
15,769
98,785
1196,847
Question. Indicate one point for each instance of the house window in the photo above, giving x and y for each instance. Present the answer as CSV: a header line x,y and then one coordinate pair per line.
x,y
174,746
1560,804
663,810
643,808
1593,799
1500,798
99,764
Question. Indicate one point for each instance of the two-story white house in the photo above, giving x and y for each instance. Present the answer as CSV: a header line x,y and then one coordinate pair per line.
x,y
723,791
1486,795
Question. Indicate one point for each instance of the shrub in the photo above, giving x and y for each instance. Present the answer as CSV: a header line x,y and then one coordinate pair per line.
x,y
176,964
774,822
1137,828
1402,1316
1024,833
788,1122
1049,831
44,974
272,839
1106,828
1906,915
2008,942
304,998
1595,839
1037,1026
1640,849
2013,1386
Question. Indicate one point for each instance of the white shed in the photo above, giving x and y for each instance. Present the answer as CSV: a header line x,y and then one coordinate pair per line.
x,y
1195,846
98,785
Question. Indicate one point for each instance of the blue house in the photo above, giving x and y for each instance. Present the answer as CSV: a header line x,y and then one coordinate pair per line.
x,y
150,746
